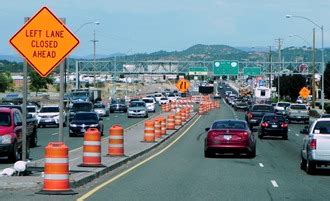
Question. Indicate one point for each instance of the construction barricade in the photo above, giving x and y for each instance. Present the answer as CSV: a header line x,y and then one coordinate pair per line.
x,y
92,149
158,128
116,141
56,170
149,131
170,122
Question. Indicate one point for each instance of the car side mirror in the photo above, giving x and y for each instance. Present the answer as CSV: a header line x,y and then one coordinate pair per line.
x,y
304,131
207,129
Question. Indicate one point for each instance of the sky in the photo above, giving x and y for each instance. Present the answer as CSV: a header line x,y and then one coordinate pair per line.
x,y
144,26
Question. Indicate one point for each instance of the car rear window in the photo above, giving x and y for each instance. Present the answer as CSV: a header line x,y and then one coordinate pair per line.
x,y
283,104
229,125
322,127
274,118
138,104
262,108
147,100
99,106
82,107
298,107
31,109
4,119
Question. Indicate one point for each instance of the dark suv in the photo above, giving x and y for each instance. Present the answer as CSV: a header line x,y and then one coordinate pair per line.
x,y
254,115
80,107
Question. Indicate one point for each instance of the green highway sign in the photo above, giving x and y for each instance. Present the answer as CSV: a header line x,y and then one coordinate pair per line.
x,y
198,70
225,68
252,71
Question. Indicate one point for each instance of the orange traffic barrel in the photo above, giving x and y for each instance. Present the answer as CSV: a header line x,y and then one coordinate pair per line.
x,y
56,170
183,115
149,131
177,118
163,108
187,111
158,128
170,122
167,107
201,109
116,141
162,125
92,149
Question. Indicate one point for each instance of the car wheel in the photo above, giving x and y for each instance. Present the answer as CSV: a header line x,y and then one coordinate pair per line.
x,y
146,116
208,154
34,138
14,154
111,111
235,109
285,136
71,135
261,136
310,166
252,153
303,163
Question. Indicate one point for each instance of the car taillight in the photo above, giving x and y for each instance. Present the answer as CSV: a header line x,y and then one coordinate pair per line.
x,y
250,115
264,124
244,134
284,125
211,133
312,144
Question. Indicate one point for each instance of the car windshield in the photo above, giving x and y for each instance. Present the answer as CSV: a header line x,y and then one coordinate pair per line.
x,y
81,107
229,125
262,108
298,107
79,95
31,109
163,99
283,104
86,116
147,100
4,119
322,127
273,118
49,109
118,102
138,104
325,116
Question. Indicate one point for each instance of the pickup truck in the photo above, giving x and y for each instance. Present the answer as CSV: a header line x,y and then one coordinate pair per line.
x,y
255,113
11,134
297,112
316,145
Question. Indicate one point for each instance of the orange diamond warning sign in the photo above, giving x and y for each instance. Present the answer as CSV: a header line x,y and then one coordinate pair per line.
x,y
183,85
304,92
44,41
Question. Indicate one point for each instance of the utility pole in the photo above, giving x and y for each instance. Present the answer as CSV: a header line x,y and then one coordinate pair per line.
x,y
94,58
279,40
270,66
314,69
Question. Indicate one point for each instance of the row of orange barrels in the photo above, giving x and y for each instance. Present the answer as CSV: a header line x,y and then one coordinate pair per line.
x,y
207,106
56,169
168,107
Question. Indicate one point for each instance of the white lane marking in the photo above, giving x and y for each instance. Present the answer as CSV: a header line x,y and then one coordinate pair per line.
x,y
297,134
274,183
289,129
55,134
261,165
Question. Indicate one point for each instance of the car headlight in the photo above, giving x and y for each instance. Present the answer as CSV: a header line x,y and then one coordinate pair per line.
x,y
93,125
5,139
73,125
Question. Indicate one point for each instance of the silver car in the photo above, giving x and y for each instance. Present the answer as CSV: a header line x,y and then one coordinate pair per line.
x,y
297,112
137,109
101,110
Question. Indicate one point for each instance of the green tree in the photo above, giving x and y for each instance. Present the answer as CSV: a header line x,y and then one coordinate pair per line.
x,y
290,85
6,82
37,82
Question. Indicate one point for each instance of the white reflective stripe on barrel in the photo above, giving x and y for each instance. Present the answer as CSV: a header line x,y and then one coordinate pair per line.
x,y
56,160
149,129
91,154
92,143
56,176
116,137
116,145
147,134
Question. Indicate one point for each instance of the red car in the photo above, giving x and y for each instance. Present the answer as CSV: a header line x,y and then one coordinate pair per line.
x,y
230,136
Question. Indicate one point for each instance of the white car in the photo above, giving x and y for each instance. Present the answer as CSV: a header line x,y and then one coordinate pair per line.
x,y
158,96
280,107
150,104
163,100
172,97
50,115
32,109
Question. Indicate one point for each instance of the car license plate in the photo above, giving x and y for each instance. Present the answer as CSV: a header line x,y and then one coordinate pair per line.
x,y
274,126
298,117
48,120
83,130
227,137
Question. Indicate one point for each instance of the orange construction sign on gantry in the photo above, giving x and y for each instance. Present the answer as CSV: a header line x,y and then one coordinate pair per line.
x,y
304,92
182,85
44,41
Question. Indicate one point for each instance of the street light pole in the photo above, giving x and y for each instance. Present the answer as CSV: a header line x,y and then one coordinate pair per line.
x,y
323,64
